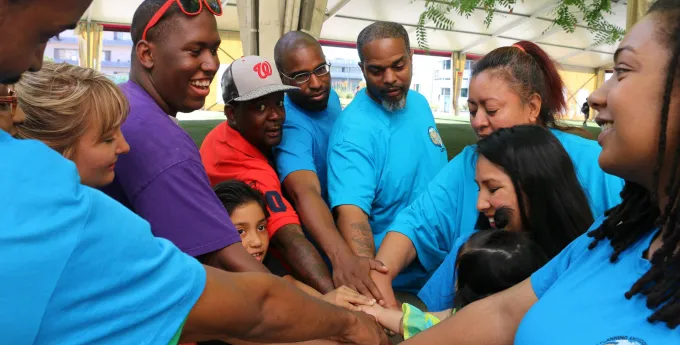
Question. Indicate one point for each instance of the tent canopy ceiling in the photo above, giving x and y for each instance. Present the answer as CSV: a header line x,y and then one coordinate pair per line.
x,y
529,20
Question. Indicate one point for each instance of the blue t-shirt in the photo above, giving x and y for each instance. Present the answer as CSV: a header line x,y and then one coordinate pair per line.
x,y
447,209
76,266
581,299
438,292
381,161
305,140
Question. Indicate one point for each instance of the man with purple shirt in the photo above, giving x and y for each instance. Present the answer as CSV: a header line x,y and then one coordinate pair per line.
x,y
163,179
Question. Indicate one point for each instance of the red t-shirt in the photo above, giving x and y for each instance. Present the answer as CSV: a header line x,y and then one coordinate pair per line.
x,y
226,155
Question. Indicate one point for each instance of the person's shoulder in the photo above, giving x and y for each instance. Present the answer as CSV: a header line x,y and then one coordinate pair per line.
x,y
30,160
41,188
417,98
220,145
216,134
361,112
570,140
581,150
468,154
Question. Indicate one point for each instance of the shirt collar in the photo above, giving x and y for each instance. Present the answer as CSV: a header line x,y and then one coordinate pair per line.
x,y
239,143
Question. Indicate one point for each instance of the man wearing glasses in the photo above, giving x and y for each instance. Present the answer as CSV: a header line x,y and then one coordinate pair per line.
x,y
241,149
311,112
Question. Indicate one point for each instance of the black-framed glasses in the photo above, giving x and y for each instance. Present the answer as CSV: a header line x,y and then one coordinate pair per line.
x,y
303,77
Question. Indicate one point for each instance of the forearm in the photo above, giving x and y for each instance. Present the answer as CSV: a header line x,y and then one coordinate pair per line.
x,y
391,319
311,342
302,286
303,258
262,308
463,328
396,252
354,227
500,314
235,258
442,315
318,221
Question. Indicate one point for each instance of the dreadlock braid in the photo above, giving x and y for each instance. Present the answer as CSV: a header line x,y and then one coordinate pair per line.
x,y
638,213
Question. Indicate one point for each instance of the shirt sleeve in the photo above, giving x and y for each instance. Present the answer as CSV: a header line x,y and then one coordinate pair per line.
x,y
434,221
353,163
439,291
121,284
545,277
295,152
182,207
281,212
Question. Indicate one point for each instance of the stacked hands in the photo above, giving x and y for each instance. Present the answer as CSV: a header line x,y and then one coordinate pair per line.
x,y
356,282
367,331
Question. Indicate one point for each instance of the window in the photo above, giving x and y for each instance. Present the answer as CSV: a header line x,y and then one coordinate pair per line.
x,y
470,64
446,91
464,92
416,87
116,55
446,64
122,36
66,55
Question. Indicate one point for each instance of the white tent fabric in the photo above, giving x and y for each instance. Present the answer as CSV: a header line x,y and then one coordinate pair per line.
x,y
529,20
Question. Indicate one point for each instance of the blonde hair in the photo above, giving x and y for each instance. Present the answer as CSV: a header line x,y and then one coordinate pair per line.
x,y
61,101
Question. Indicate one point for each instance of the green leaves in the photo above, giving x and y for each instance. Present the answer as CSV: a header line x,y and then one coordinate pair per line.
x,y
569,14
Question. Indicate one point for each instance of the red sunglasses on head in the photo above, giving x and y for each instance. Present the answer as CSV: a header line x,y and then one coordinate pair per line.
x,y
189,7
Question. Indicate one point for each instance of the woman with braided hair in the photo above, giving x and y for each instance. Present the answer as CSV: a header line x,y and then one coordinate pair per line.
x,y
620,282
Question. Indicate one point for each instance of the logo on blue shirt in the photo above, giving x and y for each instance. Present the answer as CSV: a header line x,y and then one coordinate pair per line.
x,y
623,341
435,138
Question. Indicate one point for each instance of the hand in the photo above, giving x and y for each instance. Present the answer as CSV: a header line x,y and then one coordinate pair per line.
x,y
373,310
365,331
347,298
355,272
384,283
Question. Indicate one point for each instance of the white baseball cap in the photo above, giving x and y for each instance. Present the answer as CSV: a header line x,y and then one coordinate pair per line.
x,y
251,77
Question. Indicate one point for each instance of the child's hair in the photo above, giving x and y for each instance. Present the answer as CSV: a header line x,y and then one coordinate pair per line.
x,y
61,101
492,261
236,193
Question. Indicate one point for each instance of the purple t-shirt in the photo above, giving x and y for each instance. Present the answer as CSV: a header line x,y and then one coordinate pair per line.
x,y
163,180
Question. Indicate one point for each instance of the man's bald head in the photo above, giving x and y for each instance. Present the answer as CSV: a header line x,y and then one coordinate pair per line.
x,y
298,54
290,42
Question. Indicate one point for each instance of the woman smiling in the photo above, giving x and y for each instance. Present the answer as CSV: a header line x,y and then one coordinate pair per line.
x,y
77,112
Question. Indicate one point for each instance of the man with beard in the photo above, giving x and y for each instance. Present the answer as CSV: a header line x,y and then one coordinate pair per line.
x,y
384,148
311,113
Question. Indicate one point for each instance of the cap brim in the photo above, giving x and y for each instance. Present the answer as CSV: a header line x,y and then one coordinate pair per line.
x,y
263,91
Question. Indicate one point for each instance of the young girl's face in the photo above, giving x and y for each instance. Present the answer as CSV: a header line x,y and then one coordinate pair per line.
x,y
251,224
95,155
496,192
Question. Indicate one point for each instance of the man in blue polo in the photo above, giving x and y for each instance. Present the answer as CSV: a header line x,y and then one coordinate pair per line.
x,y
384,148
311,113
